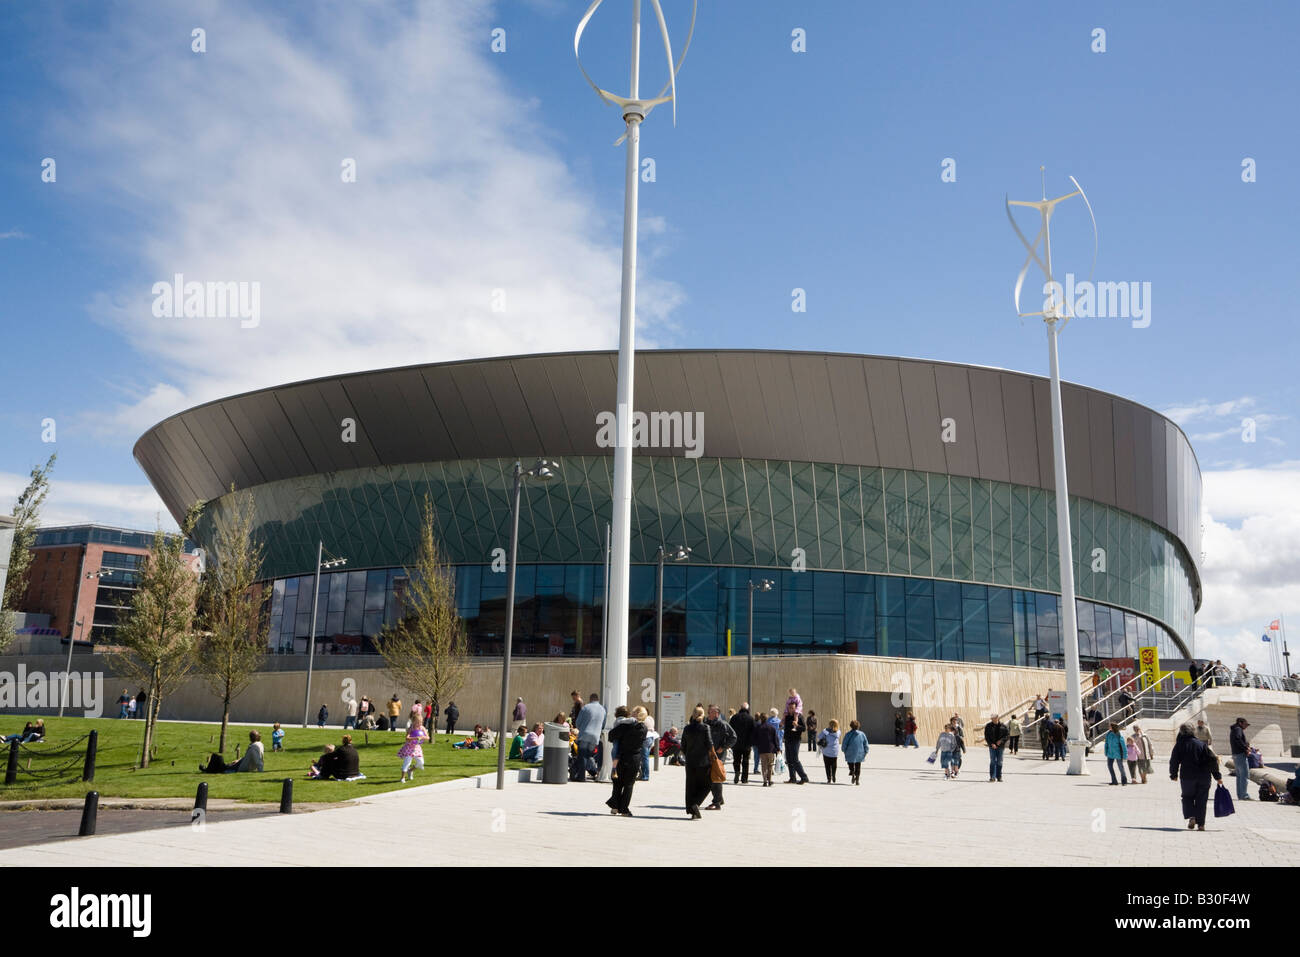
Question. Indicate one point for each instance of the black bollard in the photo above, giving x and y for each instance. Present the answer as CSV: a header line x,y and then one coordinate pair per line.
x,y
11,769
200,802
88,772
286,797
89,813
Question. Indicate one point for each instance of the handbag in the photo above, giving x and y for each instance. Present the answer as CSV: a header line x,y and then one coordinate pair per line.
x,y
932,757
717,773
1223,802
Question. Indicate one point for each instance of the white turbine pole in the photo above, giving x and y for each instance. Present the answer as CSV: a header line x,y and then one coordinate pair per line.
x,y
635,110
1056,318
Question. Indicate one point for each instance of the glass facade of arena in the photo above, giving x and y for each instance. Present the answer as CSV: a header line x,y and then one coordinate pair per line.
x,y
559,611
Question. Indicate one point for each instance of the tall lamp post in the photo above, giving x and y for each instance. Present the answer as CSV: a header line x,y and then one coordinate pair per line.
x,y
543,471
1055,315
763,584
72,633
311,639
679,554
634,110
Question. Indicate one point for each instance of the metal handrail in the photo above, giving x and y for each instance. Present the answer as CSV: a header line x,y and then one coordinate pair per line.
x,y
1190,690
1126,684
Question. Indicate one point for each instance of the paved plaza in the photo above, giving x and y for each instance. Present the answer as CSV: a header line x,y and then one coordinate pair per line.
x,y
902,813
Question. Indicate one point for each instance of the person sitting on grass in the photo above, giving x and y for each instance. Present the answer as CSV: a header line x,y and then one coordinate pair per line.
x,y
321,765
31,732
470,742
341,763
251,761
517,743
532,746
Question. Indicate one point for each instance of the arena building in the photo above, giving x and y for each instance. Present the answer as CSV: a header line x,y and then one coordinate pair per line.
x,y
903,508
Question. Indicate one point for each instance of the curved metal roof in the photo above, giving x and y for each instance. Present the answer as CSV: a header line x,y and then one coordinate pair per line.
x,y
799,406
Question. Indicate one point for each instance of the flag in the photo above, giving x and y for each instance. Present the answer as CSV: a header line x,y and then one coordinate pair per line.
x,y
1274,625
1266,637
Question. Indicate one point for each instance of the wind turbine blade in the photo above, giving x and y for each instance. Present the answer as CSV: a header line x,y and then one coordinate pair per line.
x,y
668,48
1094,226
1033,255
1021,202
1059,199
577,39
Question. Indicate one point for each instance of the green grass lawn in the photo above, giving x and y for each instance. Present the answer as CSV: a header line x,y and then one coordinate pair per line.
x,y
173,772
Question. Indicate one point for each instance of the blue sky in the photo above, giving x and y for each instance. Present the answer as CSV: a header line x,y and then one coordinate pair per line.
x,y
481,170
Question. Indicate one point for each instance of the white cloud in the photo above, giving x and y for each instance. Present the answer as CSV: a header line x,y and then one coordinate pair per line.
x,y
14,233
230,161
77,503
1252,560
1203,408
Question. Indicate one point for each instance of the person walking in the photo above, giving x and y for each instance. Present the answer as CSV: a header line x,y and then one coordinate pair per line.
x,y
651,742
1134,757
697,746
521,710
1045,736
723,736
1040,707
1193,762
766,745
810,723
944,746
122,700
1058,739
996,736
909,731
575,705
742,723
412,752
350,719
898,729
959,729
855,747
1013,734
1116,754
794,728
140,700
394,712
830,745
452,714
590,723
1203,732
1146,753
1240,757
627,737
322,716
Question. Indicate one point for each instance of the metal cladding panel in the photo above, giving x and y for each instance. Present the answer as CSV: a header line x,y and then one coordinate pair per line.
x,y
1101,436
1021,428
1078,467
954,388
848,384
888,414
1172,467
427,434
547,418
1159,463
779,390
384,416
990,425
307,416
921,405
599,378
178,476
739,375
461,423
1043,430
651,397
493,398
211,427
815,408
1143,480
709,395
574,405
1125,457
340,405
263,419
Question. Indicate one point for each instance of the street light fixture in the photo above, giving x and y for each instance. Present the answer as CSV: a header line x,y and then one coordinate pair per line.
x,y
543,471
679,554
72,633
763,584
321,563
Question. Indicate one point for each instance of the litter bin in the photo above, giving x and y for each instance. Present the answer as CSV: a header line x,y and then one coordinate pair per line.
x,y
555,753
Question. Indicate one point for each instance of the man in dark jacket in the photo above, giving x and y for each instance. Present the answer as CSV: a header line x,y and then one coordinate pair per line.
x,y
768,746
742,722
628,737
453,715
697,745
794,729
1240,757
724,736
996,736
1192,760
1193,672
1057,731
347,763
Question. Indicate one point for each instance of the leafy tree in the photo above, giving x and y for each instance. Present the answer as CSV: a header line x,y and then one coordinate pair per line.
x,y
427,651
27,512
158,632
232,643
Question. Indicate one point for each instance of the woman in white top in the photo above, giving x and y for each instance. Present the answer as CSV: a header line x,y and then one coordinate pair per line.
x,y
829,740
946,744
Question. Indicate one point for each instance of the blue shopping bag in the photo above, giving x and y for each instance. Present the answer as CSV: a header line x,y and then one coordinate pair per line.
x,y
1223,802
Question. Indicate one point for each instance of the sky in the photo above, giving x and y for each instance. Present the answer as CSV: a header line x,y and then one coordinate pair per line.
x,y
860,153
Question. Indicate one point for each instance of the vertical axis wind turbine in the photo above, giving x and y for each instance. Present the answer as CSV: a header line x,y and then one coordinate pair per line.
x,y
635,110
1056,317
